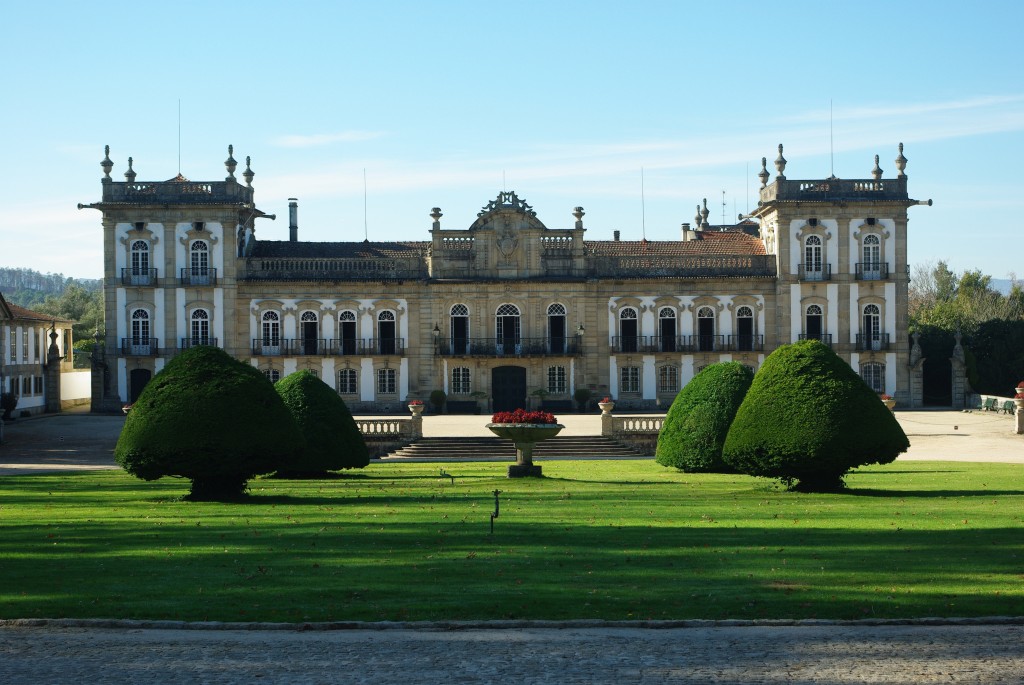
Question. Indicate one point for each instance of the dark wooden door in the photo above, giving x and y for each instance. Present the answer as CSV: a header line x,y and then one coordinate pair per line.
x,y
137,380
508,385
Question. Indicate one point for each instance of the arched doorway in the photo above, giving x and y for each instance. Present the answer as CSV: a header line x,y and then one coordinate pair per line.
x,y
508,385
137,380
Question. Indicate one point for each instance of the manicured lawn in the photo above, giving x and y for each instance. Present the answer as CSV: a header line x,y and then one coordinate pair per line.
x,y
597,539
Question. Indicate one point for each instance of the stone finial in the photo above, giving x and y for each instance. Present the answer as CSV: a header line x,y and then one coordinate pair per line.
x,y
696,217
763,174
901,163
436,215
579,214
248,173
876,173
704,215
230,163
106,163
780,166
130,174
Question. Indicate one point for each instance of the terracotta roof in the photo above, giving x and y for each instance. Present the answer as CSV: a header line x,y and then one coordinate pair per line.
x,y
22,314
286,249
707,243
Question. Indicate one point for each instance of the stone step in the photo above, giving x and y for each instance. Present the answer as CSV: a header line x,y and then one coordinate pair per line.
x,y
477,449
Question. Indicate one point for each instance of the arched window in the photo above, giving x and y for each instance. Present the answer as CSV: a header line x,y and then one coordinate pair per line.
x,y
140,340
309,332
871,266
459,328
745,336
140,273
271,330
874,375
629,330
706,329
667,329
199,259
199,328
871,333
387,340
556,329
506,329
813,265
347,382
814,328
347,332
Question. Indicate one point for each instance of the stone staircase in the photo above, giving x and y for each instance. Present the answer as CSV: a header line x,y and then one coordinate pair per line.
x,y
497,449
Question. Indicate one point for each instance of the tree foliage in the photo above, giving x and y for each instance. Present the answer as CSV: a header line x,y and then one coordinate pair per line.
x,y
209,418
696,424
808,419
332,439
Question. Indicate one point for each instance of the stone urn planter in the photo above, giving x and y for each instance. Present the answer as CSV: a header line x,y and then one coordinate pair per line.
x,y
889,402
416,409
525,437
606,406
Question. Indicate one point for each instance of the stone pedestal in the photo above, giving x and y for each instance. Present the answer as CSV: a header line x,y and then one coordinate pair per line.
x,y
524,471
1018,421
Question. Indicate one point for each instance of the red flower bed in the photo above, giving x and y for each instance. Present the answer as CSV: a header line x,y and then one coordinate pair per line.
x,y
523,416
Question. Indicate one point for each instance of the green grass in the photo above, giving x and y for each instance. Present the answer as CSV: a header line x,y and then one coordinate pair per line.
x,y
596,539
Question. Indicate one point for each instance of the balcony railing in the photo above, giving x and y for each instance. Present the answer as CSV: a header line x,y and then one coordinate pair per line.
x,y
140,347
301,347
872,271
198,276
135,276
745,343
872,341
502,347
823,337
197,342
645,344
814,272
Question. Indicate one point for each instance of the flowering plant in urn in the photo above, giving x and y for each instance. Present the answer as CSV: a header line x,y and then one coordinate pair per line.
x,y
523,416
525,429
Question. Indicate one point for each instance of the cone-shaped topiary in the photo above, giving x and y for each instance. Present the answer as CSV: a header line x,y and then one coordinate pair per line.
x,y
333,440
808,417
696,424
209,418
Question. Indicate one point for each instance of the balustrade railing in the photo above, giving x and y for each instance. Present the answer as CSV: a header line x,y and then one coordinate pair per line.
x,y
872,341
871,271
137,276
507,347
823,337
198,276
198,342
294,347
140,347
814,272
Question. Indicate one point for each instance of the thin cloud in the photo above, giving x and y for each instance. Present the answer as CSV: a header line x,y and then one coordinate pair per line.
x,y
322,139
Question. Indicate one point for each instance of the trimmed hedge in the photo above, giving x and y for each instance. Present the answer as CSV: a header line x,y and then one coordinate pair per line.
x,y
696,424
808,418
333,441
209,418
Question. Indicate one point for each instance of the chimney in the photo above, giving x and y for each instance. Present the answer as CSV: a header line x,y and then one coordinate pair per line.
x,y
615,236
687,233
293,219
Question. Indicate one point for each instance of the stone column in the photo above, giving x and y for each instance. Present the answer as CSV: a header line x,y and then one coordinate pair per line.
x,y
51,374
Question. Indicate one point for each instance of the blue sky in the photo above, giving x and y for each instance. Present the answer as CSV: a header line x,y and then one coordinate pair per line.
x,y
446,104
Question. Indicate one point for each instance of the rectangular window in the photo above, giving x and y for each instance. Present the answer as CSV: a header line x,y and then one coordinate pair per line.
x,y
629,379
39,385
347,381
556,380
24,345
273,375
668,379
460,381
26,385
874,376
386,381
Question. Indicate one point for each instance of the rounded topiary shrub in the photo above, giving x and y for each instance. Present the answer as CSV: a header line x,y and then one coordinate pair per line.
x,y
333,440
696,424
808,418
209,418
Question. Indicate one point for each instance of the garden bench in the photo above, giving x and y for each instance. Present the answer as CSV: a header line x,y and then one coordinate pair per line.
x,y
1009,407
990,404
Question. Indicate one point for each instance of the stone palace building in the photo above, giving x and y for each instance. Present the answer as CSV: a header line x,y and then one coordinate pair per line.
x,y
502,310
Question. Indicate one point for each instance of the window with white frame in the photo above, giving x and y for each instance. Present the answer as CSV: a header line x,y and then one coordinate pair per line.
x,y
199,257
506,329
872,252
24,345
140,258
813,267
629,379
140,331
347,332
272,375
459,328
557,384
668,379
347,382
271,332
873,374
629,330
38,385
460,381
872,328
386,381
706,329
200,327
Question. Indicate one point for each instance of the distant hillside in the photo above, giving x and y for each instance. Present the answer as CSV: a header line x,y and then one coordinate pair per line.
x,y
29,288
1002,285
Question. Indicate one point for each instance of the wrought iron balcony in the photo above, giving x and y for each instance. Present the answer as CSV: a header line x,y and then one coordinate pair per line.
x,y
198,342
140,347
815,272
823,337
136,276
872,341
198,276
667,343
706,343
745,343
507,347
302,347
872,271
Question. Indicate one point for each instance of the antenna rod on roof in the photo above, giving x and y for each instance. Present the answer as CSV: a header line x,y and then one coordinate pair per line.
x,y
179,136
831,142
366,230
643,207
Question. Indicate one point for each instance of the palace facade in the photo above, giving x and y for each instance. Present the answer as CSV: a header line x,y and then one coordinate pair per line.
x,y
503,310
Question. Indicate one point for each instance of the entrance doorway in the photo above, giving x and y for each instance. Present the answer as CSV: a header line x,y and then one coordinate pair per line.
x,y
937,379
508,385
137,380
